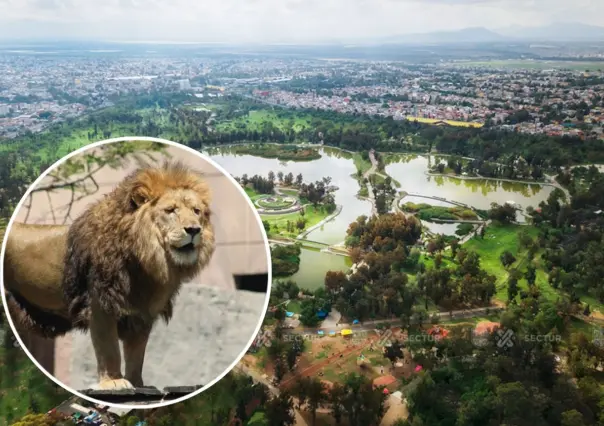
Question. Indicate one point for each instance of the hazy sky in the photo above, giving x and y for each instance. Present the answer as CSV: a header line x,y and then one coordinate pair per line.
x,y
275,20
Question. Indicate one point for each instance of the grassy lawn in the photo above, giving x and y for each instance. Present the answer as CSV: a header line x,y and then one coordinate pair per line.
x,y
279,222
294,306
255,119
290,192
253,194
501,238
498,239
360,163
379,360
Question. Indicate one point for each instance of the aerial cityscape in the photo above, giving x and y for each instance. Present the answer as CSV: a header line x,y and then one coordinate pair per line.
x,y
433,199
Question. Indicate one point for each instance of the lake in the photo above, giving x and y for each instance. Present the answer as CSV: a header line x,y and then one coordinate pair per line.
x,y
408,170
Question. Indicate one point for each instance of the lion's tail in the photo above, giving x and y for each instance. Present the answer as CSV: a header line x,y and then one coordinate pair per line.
x,y
28,317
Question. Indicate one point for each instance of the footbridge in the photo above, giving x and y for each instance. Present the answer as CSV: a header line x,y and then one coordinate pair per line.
x,y
335,249
444,200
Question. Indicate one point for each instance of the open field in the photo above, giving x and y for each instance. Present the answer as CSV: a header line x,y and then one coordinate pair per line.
x,y
360,163
255,119
501,238
278,223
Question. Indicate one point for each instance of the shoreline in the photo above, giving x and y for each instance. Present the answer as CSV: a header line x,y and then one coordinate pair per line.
x,y
524,182
332,216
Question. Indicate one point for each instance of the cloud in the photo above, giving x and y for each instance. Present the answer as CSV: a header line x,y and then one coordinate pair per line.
x,y
276,20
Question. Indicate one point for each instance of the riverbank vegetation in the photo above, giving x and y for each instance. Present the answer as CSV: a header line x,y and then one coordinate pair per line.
x,y
510,166
429,212
280,152
285,259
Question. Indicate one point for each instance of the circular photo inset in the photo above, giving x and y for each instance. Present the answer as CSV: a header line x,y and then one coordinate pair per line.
x,y
135,271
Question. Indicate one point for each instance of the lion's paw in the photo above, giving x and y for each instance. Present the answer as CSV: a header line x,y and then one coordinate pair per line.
x,y
117,384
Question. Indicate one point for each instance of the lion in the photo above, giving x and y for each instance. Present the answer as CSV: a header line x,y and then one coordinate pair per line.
x,y
116,269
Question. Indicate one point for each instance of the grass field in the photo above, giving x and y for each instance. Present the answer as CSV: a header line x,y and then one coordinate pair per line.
x,y
253,194
535,65
360,163
255,119
501,238
498,239
278,222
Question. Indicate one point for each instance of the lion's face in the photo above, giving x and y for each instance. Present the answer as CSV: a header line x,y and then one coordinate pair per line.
x,y
168,220
182,219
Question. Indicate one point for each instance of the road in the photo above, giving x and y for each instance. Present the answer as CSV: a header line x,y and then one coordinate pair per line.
x,y
370,325
257,377
366,175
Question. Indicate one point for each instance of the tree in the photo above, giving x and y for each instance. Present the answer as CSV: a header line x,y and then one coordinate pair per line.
x,y
280,410
572,418
438,260
394,351
454,247
512,288
267,226
313,392
362,404
336,398
516,406
420,315
335,281
503,214
531,274
507,259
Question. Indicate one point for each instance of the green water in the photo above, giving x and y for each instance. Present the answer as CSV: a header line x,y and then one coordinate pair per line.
x,y
334,163
408,170
313,267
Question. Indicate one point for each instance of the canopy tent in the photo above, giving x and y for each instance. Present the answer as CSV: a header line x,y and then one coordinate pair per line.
x,y
384,381
346,332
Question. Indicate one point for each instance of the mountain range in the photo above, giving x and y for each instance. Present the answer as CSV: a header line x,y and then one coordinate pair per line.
x,y
555,32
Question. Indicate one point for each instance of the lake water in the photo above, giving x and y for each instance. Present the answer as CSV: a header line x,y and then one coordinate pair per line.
x,y
333,163
408,170
313,267
411,170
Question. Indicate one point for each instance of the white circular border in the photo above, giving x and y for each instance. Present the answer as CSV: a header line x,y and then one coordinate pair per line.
x,y
220,169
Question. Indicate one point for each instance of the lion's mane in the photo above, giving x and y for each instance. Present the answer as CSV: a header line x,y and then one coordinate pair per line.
x,y
113,256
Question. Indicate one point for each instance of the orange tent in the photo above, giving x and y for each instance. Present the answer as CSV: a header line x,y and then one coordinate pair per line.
x,y
384,381
484,327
